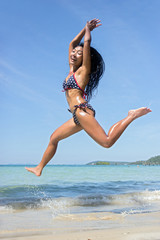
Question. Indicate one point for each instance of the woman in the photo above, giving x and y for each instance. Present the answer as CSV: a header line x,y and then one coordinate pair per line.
x,y
86,68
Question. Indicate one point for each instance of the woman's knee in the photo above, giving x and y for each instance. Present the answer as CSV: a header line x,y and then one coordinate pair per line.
x,y
53,139
107,143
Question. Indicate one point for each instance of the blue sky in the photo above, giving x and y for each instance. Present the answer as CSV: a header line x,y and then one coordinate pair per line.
x,y
34,39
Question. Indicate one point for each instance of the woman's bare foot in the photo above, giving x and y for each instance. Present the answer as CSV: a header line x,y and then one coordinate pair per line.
x,y
36,170
136,113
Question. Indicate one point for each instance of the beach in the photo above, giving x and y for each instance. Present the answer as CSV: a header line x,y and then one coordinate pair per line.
x,y
105,202
94,226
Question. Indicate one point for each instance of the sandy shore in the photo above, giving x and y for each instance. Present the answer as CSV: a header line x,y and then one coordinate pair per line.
x,y
143,233
92,226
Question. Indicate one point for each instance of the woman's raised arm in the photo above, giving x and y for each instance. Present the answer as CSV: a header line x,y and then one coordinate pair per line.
x,y
76,40
86,64
91,24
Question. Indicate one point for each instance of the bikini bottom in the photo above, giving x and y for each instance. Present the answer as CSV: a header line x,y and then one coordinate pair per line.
x,y
83,107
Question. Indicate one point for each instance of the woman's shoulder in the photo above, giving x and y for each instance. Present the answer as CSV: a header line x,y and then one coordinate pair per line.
x,y
82,77
82,71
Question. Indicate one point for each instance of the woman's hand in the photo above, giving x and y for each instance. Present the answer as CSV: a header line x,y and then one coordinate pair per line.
x,y
94,23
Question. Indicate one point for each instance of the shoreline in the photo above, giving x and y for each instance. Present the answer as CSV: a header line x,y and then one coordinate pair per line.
x,y
80,203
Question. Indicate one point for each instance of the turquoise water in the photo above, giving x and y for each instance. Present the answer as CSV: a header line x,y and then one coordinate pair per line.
x,y
81,188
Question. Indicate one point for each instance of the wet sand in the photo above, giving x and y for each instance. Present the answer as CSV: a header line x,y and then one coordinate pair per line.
x,y
39,225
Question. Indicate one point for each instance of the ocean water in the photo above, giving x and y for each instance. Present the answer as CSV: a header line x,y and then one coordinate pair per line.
x,y
81,189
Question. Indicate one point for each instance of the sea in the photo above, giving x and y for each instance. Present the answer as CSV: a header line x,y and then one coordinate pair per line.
x,y
73,189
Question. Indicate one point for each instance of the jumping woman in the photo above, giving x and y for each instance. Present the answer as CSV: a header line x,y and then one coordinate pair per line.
x,y
86,69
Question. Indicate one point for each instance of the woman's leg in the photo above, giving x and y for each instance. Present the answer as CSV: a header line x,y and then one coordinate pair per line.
x,y
67,129
94,130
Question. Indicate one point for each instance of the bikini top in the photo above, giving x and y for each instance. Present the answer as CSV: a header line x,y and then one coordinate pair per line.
x,y
72,84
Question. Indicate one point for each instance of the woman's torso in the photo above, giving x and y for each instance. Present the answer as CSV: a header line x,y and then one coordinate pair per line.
x,y
75,94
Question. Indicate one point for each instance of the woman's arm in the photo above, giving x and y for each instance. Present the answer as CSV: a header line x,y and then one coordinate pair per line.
x,y
86,64
92,24
76,40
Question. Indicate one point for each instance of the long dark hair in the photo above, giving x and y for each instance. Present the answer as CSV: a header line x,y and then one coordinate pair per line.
x,y
97,70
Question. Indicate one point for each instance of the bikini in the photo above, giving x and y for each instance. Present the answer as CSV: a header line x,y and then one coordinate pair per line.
x,y
73,84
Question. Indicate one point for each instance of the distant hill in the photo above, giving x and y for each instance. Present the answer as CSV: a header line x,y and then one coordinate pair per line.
x,y
107,163
150,162
98,163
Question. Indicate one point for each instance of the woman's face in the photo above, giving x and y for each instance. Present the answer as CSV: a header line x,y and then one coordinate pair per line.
x,y
76,56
